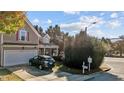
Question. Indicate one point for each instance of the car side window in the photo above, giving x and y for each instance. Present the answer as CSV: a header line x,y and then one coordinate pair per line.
x,y
40,58
43,59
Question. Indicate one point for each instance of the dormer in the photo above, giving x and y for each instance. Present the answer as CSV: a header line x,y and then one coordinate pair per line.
x,y
46,39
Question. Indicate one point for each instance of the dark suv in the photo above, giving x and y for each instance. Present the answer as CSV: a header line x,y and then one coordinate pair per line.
x,y
42,62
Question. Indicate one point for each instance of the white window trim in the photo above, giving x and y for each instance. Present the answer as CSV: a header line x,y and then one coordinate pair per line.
x,y
20,34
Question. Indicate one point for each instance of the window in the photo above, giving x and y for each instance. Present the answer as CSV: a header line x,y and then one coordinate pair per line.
x,y
23,35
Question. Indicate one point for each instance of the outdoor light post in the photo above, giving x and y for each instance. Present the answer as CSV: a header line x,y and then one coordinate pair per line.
x,y
64,45
89,25
89,61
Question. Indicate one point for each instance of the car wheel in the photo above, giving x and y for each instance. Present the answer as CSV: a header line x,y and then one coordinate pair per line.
x,y
40,67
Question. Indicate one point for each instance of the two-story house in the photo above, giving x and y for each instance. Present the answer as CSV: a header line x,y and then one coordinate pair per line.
x,y
19,47
46,47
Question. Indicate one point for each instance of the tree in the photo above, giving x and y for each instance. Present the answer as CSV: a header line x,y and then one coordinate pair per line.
x,y
80,47
57,36
36,27
10,22
50,32
39,29
121,37
107,44
119,46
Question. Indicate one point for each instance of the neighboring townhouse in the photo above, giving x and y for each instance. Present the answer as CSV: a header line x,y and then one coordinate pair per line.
x,y
18,48
46,47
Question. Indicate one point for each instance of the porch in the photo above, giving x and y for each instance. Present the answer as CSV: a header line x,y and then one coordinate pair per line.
x,y
48,49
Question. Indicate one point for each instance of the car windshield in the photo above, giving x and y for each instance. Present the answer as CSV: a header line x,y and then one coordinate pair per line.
x,y
48,58
44,57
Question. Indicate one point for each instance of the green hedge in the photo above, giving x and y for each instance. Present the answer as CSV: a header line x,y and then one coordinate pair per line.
x,y
98,52
81,48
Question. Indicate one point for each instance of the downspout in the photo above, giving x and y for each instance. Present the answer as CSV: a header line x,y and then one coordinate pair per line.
x,y
38,45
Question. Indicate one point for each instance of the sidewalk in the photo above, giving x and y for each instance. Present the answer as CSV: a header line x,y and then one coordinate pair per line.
x,y
29,73
54,77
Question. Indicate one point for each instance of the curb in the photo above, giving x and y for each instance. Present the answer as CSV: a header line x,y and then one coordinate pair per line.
x,y
83,78
89,79
93,75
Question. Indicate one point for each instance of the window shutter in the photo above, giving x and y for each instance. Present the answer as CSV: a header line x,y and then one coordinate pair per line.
x,y
17,35
27,36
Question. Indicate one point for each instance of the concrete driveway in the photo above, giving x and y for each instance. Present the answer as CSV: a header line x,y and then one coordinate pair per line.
x,y
30,73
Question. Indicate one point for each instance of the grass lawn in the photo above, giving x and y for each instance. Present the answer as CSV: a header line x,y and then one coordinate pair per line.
x,y
6,75
60,67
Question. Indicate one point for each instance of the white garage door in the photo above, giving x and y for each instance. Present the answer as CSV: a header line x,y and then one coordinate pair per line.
x,y
15,57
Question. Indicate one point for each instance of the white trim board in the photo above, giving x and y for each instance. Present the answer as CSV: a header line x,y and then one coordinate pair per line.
x,y
20,46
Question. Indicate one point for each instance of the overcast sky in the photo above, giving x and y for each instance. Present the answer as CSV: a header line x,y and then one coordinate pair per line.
x,y
109,24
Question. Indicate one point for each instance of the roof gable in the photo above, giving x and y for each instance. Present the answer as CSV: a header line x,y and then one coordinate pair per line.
x,y
31,26
47,36
32,35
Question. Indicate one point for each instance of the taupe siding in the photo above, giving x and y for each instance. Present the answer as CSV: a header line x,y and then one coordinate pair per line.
x,y
33,38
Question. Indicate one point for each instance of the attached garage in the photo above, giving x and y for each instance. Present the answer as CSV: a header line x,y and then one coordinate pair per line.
x,y
15,57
